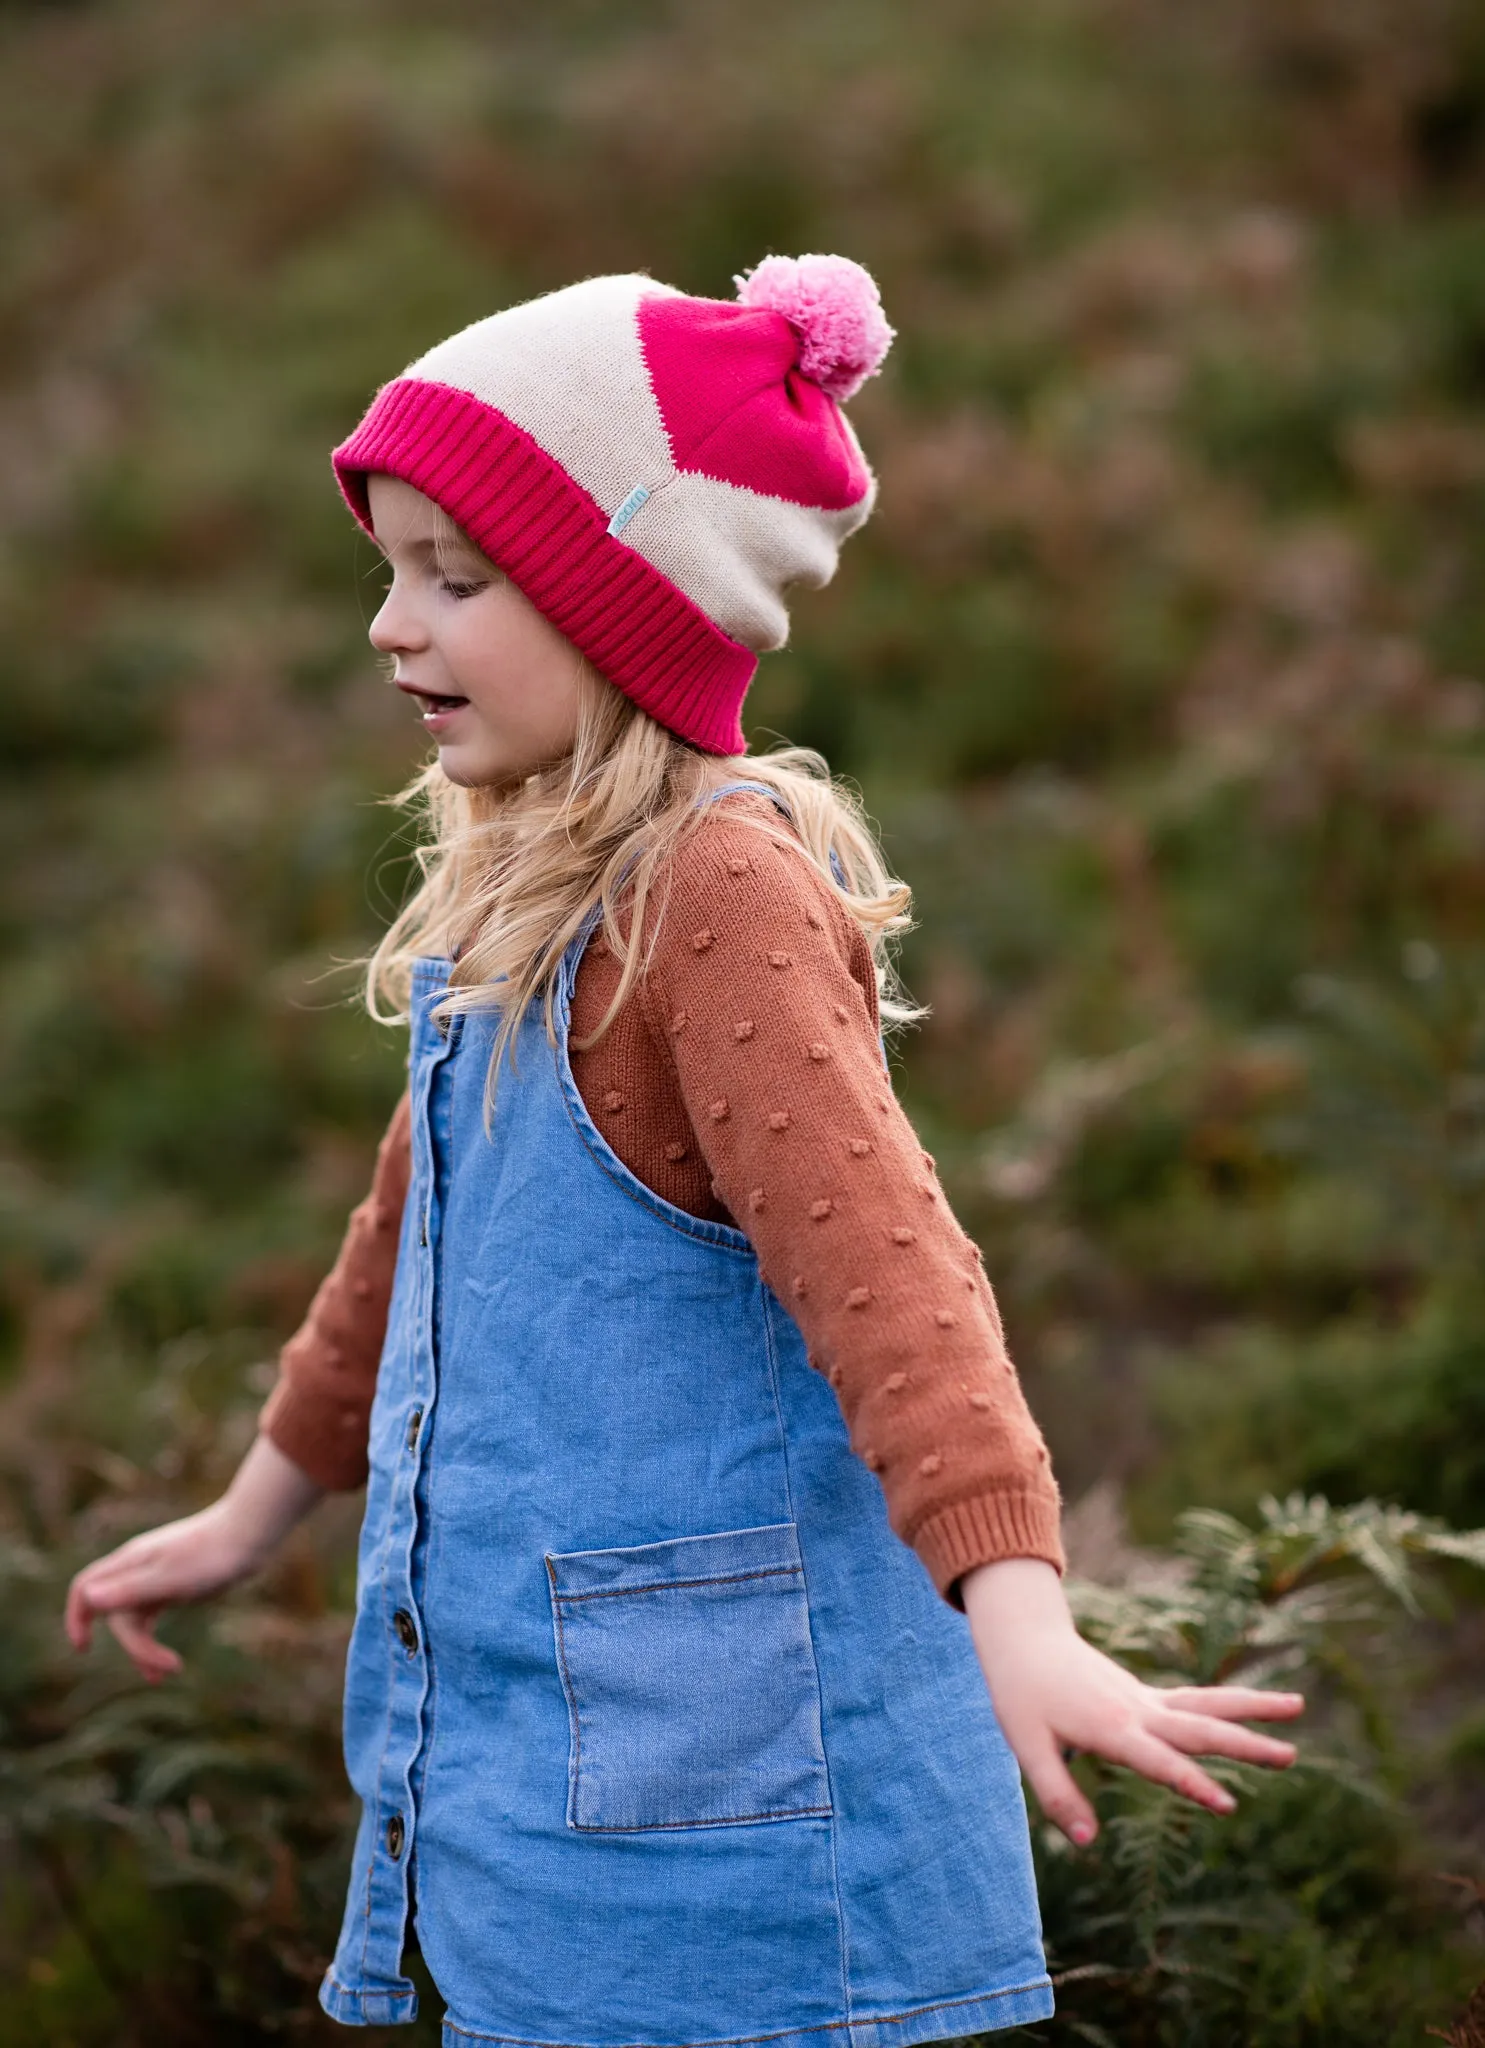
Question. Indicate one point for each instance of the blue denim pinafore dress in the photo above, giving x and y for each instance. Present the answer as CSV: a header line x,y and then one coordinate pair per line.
x,y
660,1731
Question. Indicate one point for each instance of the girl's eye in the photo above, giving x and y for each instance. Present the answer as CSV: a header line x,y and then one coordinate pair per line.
x,y
459,590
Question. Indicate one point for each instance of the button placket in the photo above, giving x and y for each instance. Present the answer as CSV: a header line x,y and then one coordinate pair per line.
x,y
409,1672
410,1668
413,1675
448,1034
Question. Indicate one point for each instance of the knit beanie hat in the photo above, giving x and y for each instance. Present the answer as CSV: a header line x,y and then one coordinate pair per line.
x,y
652,470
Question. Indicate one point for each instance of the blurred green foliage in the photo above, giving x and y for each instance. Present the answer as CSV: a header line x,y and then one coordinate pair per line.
x,y
1161,666
1182,1931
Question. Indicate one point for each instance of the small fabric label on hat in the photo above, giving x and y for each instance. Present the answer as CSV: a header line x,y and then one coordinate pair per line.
x,y
628,509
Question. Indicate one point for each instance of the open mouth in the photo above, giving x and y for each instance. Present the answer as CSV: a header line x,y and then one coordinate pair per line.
x,y
435,707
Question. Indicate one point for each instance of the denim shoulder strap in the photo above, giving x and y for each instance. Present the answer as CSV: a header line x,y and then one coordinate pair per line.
x,y
595,910
762,788
756,789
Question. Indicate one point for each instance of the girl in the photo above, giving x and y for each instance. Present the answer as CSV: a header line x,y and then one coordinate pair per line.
x,y
709,1585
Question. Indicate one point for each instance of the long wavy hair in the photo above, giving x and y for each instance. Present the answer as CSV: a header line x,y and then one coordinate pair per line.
x,y
510,872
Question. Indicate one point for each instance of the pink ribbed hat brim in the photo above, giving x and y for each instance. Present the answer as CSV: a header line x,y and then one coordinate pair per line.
x,y
521,508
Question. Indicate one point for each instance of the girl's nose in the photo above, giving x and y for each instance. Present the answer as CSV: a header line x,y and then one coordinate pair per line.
x,y
396,626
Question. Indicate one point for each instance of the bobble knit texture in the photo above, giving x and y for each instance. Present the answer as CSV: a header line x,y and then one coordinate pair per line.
x,y
765,1129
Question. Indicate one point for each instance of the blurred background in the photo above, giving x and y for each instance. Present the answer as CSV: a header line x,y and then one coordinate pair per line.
x,y
1161,668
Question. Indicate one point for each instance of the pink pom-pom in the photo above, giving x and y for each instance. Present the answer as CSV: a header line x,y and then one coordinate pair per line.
x,y
836,307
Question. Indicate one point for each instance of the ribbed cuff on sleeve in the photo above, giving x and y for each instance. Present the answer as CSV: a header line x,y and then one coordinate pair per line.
x,y
985,1529
295,1419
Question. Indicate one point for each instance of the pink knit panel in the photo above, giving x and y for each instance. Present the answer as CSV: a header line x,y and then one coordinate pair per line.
x,y
736,408
521,507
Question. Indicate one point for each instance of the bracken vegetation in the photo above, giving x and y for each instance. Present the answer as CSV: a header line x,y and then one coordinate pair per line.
x,y
1162,668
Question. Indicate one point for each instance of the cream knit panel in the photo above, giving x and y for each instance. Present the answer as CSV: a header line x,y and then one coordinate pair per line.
x,y
732,550
567,367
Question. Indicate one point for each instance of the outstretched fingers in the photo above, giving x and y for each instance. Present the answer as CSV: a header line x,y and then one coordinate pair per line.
x,y
1234,1702
124,1590
1056,1789
96,1592
1144,1751
77,1617
134,1629
1206,1735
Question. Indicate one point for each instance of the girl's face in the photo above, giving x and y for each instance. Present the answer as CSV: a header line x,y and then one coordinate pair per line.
x,y
497,684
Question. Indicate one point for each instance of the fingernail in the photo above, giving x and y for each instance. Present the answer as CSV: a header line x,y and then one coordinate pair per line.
x,y
1082,1833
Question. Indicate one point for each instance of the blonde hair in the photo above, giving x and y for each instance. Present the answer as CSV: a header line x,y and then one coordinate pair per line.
x,y
513,870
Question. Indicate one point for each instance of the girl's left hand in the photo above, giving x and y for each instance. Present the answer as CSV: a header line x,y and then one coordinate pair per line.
x,y
1050,1689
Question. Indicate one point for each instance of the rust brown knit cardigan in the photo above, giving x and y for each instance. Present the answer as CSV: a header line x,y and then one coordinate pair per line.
x,y
742,1080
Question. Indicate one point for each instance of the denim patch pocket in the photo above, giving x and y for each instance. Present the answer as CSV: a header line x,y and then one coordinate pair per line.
x,y
692,1695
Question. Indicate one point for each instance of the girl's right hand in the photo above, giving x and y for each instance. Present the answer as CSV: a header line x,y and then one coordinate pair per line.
x,y
189,1559
130,1587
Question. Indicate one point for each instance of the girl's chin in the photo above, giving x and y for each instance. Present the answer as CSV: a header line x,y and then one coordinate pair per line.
x,y
465,766
474,766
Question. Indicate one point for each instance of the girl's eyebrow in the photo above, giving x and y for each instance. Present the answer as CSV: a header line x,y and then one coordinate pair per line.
x,y
414,547
422,548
